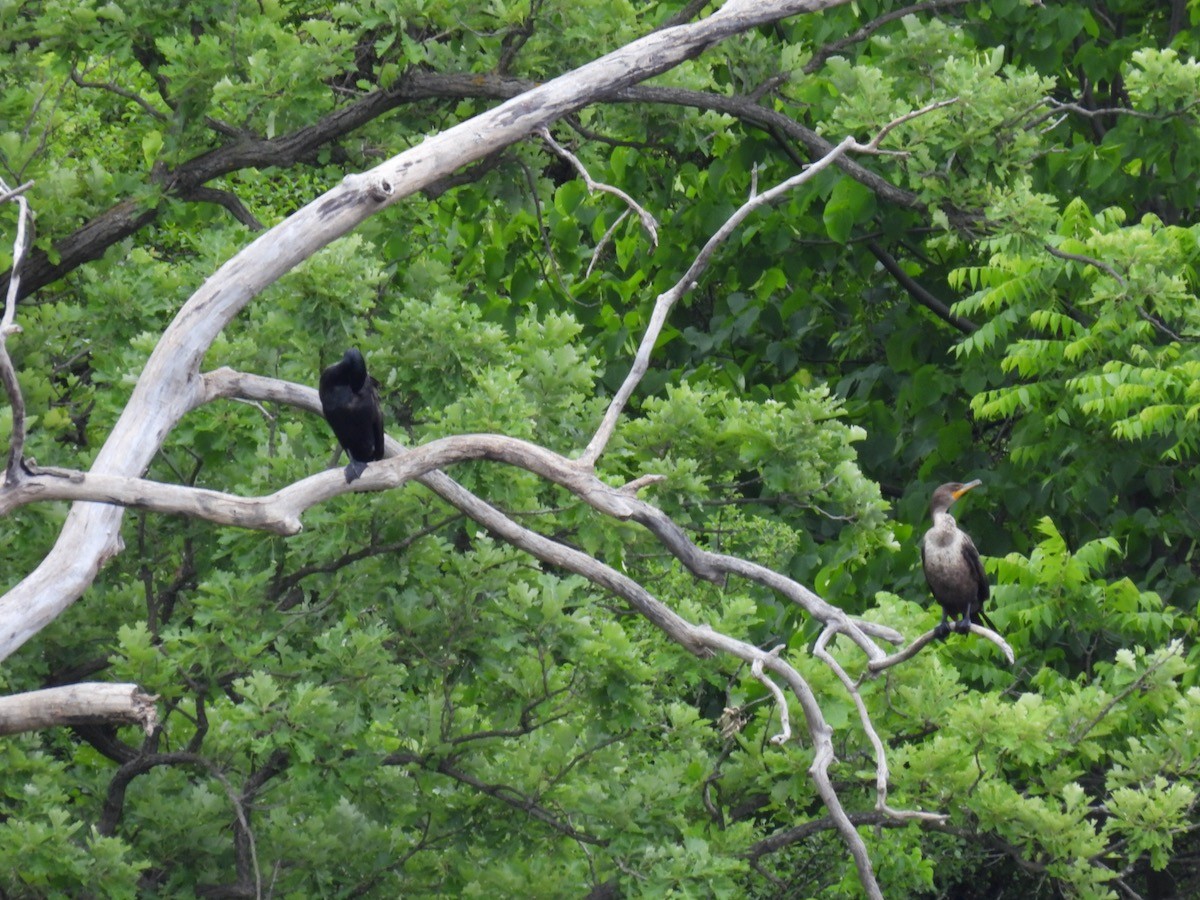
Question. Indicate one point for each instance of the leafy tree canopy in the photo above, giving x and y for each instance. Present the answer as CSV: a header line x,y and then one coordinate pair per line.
x,y
395,701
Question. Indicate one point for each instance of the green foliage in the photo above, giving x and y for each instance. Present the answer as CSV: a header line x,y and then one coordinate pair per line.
x,y
45,850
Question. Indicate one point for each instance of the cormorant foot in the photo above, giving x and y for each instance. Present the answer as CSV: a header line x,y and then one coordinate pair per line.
x,y
963,625
354,470
942,630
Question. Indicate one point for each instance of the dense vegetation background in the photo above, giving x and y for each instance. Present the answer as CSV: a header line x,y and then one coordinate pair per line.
x,y
398,703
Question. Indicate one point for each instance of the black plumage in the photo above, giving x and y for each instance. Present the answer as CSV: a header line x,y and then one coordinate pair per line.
x,y
952,565
350,404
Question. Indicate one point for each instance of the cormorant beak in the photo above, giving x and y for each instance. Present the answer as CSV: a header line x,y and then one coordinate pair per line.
x,y
966,487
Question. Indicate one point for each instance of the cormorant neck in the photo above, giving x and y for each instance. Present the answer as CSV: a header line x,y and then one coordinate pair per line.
x,y
943,519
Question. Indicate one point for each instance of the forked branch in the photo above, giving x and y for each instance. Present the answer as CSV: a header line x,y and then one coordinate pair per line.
x,y
666,301
8,326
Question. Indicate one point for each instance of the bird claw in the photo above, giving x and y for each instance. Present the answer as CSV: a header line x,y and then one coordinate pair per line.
x,y
942,631
354,470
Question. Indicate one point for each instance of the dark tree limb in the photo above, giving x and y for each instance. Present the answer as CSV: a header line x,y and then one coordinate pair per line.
x,y
917,291
127,217
284,587
510,796
835,47
226,200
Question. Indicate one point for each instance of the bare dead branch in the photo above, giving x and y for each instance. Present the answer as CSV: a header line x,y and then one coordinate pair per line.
x,y
876,666
9,326
85,703
785,721
698,639
603,242
648,221
667,300
171,384
9,193
882,775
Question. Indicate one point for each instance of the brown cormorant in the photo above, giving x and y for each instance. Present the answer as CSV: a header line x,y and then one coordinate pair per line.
x,y
350,404
952,565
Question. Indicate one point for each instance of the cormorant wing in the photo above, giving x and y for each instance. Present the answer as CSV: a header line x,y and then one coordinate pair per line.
x,y
377,424
971,555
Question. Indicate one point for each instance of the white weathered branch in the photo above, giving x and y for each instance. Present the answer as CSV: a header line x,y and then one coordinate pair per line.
x,y
8,325
20,246
87,703
666,301
648,221
785,719
882,775
281,512
171,384
876,666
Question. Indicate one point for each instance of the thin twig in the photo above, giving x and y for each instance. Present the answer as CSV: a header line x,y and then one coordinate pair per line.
x,y
648,221
1158,324
870,28
1088,261
19,189
120,92
785,719
603,242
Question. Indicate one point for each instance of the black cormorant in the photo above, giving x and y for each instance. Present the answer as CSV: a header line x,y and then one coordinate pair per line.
x,y
351,407
952,565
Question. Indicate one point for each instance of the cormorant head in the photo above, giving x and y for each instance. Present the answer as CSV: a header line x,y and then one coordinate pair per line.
x,y
946,494
355,368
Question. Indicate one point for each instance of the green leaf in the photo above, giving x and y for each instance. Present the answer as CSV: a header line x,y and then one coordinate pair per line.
x,y
848,204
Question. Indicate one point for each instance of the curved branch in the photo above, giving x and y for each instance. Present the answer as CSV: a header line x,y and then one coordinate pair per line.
x,y
881,767
228,201
876,666
917,292
648,221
